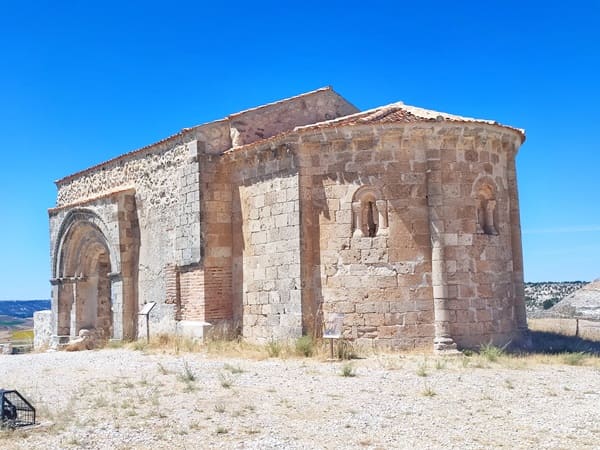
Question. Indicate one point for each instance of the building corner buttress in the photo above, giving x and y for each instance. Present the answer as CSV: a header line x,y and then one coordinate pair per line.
x,y
443,341
517,252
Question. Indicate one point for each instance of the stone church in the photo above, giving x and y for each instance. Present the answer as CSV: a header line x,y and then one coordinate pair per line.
x,y
401,219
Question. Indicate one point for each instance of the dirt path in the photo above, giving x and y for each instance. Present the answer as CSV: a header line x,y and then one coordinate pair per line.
x,y
117,399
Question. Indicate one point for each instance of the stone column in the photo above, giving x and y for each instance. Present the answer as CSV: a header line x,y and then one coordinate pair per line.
x,y
56,288
517,250
129,241
443,339
116,294
74,311
357,213
383,217
490,226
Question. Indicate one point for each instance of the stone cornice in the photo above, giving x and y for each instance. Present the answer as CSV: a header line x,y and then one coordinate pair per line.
x,y
91,200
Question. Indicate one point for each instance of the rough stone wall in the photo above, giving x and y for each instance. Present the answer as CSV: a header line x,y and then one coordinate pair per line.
x,y
267,249
166,206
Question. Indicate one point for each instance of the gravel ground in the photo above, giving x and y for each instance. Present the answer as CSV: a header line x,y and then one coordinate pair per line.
x,y
125,399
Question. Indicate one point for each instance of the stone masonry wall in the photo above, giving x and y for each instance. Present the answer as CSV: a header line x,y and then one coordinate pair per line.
x,y
410,229
267,253
479,264
263,122
216,205
381,284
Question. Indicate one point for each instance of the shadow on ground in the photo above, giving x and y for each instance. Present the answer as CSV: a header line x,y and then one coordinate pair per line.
x,y
548,342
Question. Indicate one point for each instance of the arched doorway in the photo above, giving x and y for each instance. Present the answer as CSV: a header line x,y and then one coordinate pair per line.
x,y
84,265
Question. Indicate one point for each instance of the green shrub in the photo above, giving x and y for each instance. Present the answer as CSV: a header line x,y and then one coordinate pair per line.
x,y
305,346
491,352
550,302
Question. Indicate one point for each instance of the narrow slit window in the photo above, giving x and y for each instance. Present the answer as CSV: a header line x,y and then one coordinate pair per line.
x,y
486,211
369,213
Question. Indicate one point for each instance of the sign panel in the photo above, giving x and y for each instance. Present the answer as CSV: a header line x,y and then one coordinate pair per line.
x,y
334,326
147,308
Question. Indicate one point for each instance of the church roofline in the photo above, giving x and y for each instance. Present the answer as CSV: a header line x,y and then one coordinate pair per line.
x,y
188,131
393,113
183,132
400,113
285,100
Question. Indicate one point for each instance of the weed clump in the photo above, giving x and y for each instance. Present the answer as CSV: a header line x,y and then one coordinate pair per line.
x,y
422,369
233,369
345,350
187,376
274,349
348,371
428,392
305,346
225,381
491,352
574,359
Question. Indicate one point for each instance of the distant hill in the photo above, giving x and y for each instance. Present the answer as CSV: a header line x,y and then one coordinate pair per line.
x,y
22,309
542,296
18,315
584,302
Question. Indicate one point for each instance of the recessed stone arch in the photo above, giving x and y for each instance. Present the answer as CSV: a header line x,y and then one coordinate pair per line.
x,y
369,212
485,193
74,218
89,288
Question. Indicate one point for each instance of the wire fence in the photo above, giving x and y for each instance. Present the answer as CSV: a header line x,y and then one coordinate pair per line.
x,y
582,328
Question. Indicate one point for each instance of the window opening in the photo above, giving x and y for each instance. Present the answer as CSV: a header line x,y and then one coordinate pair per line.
x,y
369,213
371,225
486,211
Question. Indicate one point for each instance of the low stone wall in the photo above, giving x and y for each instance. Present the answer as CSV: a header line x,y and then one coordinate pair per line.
x,y
42,329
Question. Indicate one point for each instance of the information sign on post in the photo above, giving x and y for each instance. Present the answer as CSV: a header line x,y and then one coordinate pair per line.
x,y
334,326
146,312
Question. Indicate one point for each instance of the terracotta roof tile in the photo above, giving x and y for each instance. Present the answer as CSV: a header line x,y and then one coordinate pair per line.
x,y
400,113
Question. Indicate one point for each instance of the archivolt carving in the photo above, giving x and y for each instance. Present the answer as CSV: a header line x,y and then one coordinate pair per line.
x,y
80,229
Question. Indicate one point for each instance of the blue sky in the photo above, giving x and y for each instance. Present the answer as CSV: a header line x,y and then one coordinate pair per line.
x,y
81,82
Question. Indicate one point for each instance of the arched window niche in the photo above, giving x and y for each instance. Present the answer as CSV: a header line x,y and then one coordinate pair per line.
x,y
485,195
369,213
